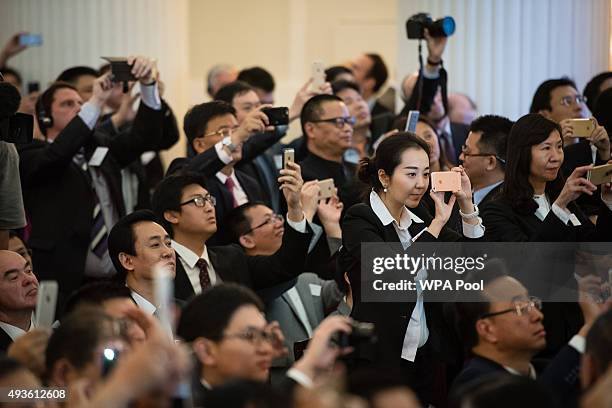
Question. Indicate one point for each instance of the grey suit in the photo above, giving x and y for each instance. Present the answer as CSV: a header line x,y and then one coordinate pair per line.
x,y
319,298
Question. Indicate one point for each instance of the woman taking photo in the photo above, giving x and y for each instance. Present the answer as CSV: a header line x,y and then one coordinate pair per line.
x,y
409,334
537,205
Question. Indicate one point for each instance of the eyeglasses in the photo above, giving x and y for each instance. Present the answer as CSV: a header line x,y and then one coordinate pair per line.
x,y
273,218
466,154
520,307
571,99
339,121
200,201
253,336
225,132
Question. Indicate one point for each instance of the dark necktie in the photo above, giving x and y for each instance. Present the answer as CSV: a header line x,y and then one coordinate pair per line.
x,y
229,183
204,276
99,232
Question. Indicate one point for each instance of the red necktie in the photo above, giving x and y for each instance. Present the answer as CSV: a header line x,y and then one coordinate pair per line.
x,y
204,276
229,183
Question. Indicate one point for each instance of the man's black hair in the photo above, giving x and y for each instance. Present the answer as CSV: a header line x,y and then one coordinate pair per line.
x,y
197,118
122,238
228,92
541,97
71,75
313,109
257,77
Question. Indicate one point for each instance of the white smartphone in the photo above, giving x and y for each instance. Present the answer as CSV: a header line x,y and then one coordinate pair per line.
x,y
411,122
163,290
318,75
46,302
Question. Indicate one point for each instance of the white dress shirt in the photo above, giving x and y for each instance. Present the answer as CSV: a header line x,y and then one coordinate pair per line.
x,y
189,259
143,303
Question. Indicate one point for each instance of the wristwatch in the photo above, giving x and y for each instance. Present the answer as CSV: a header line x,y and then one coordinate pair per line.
x,y
227,142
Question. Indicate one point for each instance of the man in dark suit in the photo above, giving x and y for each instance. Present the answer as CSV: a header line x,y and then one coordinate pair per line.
x,y
504,332
597,357
18,290
298,306
71,182
208,124
371,73
183,203
236,341
138,245
484,156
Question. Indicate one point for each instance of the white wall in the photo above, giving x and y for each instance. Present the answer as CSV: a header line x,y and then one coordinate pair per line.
x,y
503,49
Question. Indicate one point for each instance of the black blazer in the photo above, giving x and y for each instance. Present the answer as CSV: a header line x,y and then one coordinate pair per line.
x,y
58,197
560,375
491,195
361,224
257,272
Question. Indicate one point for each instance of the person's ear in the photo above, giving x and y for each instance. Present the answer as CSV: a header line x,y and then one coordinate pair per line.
x,y
546,113
486,331
368,84
246,242
383,178
127,261
491,163
199,145
171,216
309,128
61,373
205,350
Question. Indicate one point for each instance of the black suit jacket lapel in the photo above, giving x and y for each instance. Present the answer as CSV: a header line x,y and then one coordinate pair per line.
x,y
183,289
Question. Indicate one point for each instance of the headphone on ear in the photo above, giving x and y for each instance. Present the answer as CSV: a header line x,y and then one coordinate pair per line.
x,y
44,120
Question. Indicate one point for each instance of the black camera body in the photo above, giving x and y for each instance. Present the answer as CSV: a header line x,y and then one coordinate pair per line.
x,y
277,116
416,25
361,333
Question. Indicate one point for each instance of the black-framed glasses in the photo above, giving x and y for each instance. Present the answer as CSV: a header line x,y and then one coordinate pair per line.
x,y
253,336
225,132
466,154
520,307
340,121
200,201
273,218
571,99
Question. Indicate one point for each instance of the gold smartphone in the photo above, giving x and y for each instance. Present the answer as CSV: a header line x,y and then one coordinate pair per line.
x,y
326,188
445,181
600,174
288,156
582,127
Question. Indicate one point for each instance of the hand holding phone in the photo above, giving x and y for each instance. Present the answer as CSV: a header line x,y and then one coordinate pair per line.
x,y
326,188
582,127
46,302
288,156
318,75
411,121
600,174
30,40
277,116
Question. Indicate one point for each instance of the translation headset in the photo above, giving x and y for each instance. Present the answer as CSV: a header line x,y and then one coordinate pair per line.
x,y
44,120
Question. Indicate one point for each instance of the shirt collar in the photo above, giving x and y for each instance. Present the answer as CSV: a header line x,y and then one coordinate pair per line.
x,y
143,303
480,194
188,255
385,216
15,332
532,371
222,177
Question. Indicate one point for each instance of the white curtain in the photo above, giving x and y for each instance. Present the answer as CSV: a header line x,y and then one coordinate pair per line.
x,y
503,49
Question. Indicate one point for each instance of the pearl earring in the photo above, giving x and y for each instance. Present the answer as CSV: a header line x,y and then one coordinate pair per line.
x,y
385,189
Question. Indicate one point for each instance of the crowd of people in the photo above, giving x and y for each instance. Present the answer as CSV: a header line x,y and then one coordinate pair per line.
x,y
267,308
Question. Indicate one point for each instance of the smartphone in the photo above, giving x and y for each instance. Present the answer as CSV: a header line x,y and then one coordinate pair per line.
x,y
30,40
288,156
277,116
121,71
445,181
326,188
318,75
46,302
411,122
583,127
33,87
600,174
163,289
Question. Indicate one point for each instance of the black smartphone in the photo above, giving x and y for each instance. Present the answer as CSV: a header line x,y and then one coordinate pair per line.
x,y
277,116
121,71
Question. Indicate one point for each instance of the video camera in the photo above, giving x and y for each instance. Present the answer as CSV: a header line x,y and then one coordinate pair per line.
x,y
416,25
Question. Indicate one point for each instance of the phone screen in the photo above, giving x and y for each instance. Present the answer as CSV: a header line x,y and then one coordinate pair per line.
x,y
30,40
